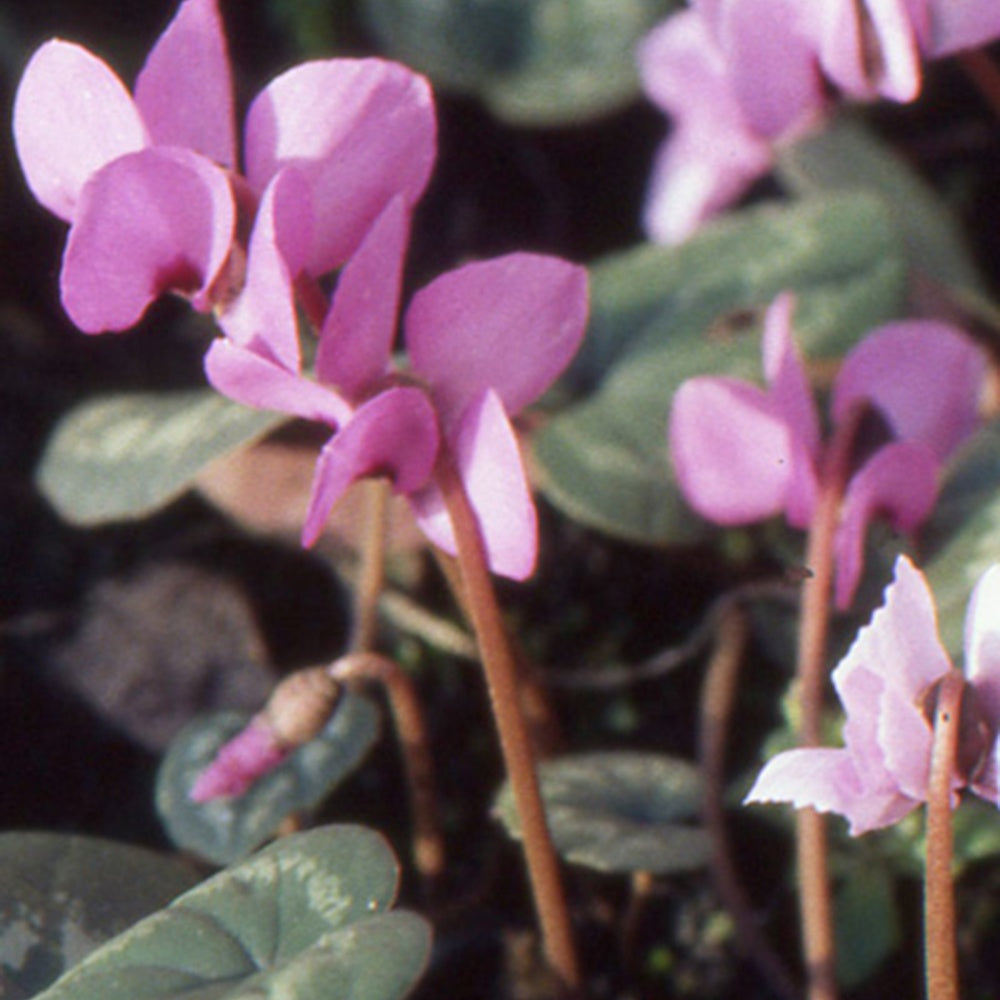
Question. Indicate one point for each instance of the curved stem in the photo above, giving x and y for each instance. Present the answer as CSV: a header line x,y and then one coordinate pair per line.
x,y
371,571
939,896
500,667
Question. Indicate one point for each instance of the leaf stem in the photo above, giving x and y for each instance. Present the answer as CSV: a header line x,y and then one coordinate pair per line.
x,y
500,668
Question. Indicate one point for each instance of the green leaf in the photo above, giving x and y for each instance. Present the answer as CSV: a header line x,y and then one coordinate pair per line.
x,y
302,920
846,156
962,539
225,830
619,811
61,896
662,315
867,924
126,455
534,62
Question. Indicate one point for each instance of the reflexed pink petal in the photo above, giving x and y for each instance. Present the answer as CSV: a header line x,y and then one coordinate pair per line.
x,y
905,737
730,450
900,483
263,316
510,324
356,341
925,376
157,220
490,464
185,90
362,131
246,758
72,115
982,641
257,381
962,24
826,780
394,434
712,156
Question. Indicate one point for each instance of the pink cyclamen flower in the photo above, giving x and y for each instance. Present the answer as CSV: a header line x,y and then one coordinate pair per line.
x,y
887,685
148,181
484,341
739,76
742,453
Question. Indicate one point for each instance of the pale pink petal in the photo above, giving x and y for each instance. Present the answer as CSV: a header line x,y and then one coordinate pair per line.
x,y
241,762
731,450
899,483
394,434
982,641
905,737
827,781
510,324
158,220
185,89
72,115
257,381
362,131
923,375
490,464
712,156
962,24
356,341
263,316
861,692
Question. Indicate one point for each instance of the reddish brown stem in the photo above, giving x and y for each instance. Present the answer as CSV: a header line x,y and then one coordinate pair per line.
x,y
371,570
983,72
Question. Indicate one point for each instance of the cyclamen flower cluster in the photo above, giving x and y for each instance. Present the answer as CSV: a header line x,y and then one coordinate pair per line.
x,y
738,76
336,154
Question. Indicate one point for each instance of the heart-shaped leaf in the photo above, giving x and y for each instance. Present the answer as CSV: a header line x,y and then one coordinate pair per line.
x,y
124,456
62,895
619,811
224,830
302,920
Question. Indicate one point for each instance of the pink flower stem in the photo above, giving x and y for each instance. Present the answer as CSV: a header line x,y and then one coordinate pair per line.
x,y
815,904
983,72
501,669
371,571
939,896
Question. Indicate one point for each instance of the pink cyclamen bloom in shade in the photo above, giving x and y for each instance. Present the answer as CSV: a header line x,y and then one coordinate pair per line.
x,y
148,181
241,762
742,453
484,341
887,685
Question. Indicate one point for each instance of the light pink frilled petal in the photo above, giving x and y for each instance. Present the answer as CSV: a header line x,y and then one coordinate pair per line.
x,y
362,131
245,759
489,461
257,381
827,781
263,317
185,89
154,221
356,341
731,450
900,483
982,642
712,155
72,115
771,63
394,434
924,376
905,737
961,24
510,324
870,49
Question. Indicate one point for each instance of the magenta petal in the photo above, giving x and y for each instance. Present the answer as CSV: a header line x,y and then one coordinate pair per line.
x,y
982,641
362,131
730,450
490,464
962,24
185,90
924,376
510,324
900,483
394,434
72,115
257,381
153,221
263,316
246,758
356,341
